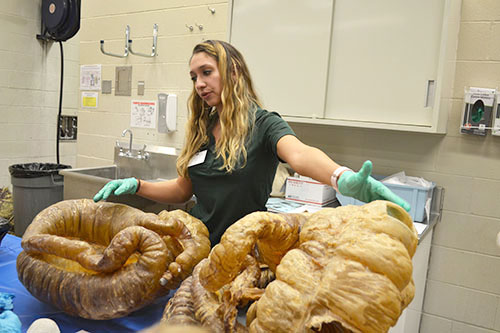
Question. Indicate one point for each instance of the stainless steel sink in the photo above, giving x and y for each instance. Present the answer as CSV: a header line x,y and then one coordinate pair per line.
x,y
159,165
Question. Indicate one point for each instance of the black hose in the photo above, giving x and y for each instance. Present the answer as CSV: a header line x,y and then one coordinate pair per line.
x,y
60,102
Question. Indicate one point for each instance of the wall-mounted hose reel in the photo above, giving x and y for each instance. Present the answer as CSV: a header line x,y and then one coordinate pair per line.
x,y
60,19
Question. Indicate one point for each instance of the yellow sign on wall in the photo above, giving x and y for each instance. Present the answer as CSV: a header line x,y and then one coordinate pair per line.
x,y
89,99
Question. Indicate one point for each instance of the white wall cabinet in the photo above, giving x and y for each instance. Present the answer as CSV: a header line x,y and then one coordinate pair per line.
x,y
286,45
378,64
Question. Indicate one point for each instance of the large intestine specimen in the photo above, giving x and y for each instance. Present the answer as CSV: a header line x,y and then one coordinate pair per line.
x,y
105,260
345,269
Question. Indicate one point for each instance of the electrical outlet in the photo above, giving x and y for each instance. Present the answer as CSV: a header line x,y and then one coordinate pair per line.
x,y
68,128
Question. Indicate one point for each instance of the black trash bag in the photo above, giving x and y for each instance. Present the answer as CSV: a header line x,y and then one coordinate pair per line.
x,y
7,206
4,228
34,170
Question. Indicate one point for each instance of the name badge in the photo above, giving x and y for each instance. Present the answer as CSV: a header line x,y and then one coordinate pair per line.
x,y
198,158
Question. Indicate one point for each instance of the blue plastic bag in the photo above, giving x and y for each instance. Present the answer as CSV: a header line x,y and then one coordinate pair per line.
x,y
9,321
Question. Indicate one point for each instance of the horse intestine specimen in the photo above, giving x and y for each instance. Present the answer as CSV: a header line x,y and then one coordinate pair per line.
x,y
345,269
105,260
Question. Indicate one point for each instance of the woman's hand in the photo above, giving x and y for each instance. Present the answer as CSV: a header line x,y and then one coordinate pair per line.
x,y
117,187
360,185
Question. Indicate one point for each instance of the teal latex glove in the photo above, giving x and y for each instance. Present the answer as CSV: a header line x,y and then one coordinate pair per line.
x,y
117,187
360,185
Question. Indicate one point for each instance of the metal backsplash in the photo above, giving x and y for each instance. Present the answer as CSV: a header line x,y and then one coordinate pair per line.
x,y
159,164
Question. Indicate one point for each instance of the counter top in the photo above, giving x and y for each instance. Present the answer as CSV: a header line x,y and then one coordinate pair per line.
x,y
435,215
281,205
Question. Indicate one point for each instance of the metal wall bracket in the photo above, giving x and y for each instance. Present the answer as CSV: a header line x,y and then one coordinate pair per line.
x,y
125,54
155,43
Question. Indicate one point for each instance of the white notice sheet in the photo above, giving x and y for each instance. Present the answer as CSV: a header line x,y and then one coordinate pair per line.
x,y
143,114
90,77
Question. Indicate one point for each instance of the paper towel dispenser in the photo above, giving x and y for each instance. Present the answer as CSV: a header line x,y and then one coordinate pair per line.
x,y
167,113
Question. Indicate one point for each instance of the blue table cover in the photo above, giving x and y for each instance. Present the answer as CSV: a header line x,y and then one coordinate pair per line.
x,y
28,308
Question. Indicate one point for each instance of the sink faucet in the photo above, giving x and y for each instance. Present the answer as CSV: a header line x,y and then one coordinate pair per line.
x,y
130,144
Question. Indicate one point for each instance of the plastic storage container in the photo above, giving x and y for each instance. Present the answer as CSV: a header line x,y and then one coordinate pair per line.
x,y
416,196
35,186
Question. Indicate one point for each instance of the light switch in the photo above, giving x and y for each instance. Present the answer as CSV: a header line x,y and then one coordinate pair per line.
x,y
140,88
123,77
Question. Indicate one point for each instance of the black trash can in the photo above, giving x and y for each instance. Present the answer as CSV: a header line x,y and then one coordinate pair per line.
x,y
35,186
4,228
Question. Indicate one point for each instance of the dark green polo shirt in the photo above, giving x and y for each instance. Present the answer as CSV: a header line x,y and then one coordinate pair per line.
x,y
223,198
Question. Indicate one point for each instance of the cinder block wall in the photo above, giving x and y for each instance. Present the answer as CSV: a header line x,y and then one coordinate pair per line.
x,y
166,73
29,89
463,293
463,289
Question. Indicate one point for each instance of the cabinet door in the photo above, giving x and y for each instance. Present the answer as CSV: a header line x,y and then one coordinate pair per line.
x,y
286,44
386,64
384,61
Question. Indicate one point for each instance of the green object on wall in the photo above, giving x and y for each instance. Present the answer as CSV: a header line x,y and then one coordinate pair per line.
x,y
477,111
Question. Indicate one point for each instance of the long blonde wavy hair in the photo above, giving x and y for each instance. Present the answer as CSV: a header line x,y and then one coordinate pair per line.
x,y
239,102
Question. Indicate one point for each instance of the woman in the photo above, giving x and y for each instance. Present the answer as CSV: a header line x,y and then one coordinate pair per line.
x,y
233,147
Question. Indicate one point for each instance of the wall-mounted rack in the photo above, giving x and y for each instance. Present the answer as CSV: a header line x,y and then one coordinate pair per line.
x,y
155,43
125,54
128,45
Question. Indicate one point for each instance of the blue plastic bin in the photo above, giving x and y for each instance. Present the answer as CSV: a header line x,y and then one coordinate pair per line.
x,y
416,196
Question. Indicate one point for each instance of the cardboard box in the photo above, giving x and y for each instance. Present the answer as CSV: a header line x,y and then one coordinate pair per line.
x,y
308,191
